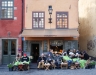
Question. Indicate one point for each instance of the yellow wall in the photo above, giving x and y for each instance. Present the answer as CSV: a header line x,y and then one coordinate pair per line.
x,y
87,28
58,5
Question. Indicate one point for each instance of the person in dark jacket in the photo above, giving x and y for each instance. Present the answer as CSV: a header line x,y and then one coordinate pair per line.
x,y
50,53
58,60
25,58
41,61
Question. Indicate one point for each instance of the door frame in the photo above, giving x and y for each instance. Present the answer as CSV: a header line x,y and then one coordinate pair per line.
x,y
2,47
31,47
36,42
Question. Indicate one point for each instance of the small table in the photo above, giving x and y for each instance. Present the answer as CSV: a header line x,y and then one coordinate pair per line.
x,y
46,66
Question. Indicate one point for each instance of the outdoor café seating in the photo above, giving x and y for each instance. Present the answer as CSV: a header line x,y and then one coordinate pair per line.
x,y
21,65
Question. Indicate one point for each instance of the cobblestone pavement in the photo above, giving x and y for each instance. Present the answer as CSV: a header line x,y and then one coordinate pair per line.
x,y
50,72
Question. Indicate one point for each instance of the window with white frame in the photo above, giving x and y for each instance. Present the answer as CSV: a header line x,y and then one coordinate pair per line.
x,y
38,20
7,9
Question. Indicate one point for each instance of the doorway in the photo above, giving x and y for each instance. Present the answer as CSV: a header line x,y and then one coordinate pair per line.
x,y
8,50
35,52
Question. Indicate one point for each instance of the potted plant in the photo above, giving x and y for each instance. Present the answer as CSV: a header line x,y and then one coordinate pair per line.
x,y
10,66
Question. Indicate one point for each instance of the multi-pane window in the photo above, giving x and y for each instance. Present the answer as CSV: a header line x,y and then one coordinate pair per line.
x,y
7,9
62,19
38,20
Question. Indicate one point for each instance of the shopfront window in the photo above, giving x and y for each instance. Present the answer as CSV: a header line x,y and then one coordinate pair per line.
x,y
56,45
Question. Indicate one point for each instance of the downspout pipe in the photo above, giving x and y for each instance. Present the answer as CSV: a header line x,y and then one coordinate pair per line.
x,y
22,24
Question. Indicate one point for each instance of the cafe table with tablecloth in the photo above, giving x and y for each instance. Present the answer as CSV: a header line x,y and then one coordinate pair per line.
x,y
82,62
21,65
19,62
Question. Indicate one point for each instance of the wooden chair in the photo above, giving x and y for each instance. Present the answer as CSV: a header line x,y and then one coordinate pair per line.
x,y
64,64
77,65
26,67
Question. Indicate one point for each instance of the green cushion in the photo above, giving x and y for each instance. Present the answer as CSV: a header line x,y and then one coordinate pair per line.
x,y
16,63
82,63
66,58
75,59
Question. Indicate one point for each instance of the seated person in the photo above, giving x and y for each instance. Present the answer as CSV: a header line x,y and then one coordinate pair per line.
x,y
49,59
68,59
18,57
88,64
84,55
25,58
77,54
58,60
41,61
71,54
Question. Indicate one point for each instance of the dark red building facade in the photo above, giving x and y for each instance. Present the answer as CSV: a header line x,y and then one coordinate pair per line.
x,y
11,25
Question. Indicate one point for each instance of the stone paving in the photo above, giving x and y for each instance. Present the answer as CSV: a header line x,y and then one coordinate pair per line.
x,y
50,72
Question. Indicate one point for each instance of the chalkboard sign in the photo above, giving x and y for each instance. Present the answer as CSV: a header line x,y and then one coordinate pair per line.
x,y
45,46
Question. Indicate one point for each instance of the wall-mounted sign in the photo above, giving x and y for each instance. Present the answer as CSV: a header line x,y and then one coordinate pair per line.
x,y
23,39
56,42
50,35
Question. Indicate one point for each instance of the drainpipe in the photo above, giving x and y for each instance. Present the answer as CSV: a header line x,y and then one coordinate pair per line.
x,y
22,23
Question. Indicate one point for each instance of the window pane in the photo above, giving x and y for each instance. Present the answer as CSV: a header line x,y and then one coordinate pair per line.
x,y
40,14
3,4
36,14
4,12
33,14
5,47
10,3
13,47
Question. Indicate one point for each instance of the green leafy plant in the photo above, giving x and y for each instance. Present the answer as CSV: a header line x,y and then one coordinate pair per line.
x,y
10,65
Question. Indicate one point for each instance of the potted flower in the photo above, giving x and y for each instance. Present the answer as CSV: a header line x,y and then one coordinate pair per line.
x,y
10,66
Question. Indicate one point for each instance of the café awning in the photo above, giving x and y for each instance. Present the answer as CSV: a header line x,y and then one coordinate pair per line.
x,y
50,33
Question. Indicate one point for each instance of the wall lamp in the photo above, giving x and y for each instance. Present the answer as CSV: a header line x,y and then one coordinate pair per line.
x,y
50,13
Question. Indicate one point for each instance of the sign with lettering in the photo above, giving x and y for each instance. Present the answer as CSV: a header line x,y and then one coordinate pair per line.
x,y
50,35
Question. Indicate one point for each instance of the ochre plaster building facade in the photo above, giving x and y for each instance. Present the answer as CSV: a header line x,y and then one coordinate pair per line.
x,y
60,33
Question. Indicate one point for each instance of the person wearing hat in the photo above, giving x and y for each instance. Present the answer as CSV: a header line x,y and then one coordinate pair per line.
x,y
25,58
